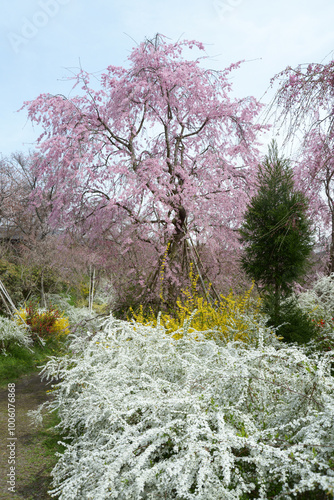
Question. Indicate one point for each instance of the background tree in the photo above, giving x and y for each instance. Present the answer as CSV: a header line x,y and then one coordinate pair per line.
x,y
154,159
276,232
35,258
304,105
18,214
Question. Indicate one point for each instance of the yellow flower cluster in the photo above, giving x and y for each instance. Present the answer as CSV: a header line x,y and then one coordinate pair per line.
x,y
224,318
61,327
21,316
58,330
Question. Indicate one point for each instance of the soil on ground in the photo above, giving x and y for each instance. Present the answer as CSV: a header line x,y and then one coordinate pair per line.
x,y
33,460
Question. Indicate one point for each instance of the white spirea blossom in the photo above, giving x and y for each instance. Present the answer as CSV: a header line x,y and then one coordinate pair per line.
x,y
318,303
12,333
319,300
151,417
75,315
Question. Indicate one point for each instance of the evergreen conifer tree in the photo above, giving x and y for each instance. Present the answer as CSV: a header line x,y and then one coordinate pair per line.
x,y
277,235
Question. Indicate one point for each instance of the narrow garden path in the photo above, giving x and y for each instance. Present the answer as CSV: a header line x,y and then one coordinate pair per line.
x,y
34,447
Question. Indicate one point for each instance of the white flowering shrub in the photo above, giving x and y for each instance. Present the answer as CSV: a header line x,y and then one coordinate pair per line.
x,y
151,417
13,334
59,301
75,315
318,302
78,314
105,293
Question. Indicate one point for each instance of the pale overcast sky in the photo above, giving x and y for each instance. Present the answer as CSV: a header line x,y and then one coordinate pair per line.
x,y
42,39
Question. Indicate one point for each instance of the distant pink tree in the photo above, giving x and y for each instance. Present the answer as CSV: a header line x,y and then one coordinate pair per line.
x,y
158,159
305,100
17,213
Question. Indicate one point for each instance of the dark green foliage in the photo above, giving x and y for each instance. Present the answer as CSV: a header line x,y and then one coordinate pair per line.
x,y
276,230
277,233
11,277
295,325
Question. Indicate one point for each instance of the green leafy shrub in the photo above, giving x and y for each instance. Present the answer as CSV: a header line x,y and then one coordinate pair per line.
x,y
12,279
291,322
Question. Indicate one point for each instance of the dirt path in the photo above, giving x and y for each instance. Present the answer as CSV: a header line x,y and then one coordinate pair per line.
x,y
33,454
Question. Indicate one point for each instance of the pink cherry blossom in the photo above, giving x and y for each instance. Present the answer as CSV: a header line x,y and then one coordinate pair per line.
x,y
154,153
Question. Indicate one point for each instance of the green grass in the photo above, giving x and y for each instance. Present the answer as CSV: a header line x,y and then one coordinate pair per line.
x,y
38,448
38,445
49,436
20,361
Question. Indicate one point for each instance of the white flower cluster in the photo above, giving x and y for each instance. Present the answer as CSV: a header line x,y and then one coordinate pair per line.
x,y
152,417
318,303
75,315
12,333
319,300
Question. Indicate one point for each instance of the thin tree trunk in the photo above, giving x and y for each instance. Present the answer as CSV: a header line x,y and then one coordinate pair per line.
x,y
331,253
91,288
43,301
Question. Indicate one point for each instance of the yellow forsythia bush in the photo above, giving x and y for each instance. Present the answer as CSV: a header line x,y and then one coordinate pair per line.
x,y
224,316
